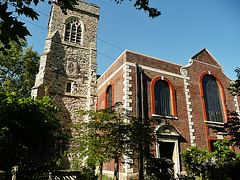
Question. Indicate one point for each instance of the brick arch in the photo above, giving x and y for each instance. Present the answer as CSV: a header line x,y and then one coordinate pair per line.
x,y
222,94
172,95
223,99
105,94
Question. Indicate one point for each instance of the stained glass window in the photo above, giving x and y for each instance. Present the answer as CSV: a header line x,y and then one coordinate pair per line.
x,y
212,98
162,98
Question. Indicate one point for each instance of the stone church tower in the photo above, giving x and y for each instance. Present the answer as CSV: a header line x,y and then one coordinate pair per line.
x,y
68,65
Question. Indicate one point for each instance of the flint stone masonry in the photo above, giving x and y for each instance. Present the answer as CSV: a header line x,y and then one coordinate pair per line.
x,y
67,62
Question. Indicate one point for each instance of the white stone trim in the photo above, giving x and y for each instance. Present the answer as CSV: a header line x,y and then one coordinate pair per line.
x,y
113,64
158,71
213,122
113,74
108,172
143,67
236,105
127,86
127,105
210,55
207,64
189,112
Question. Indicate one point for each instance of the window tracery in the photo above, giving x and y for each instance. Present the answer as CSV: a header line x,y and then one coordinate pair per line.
x,y
73,31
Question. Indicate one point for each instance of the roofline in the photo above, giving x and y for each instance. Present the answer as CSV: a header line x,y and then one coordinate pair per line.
x,y
194,56
90,4
153,57
111,65
126,50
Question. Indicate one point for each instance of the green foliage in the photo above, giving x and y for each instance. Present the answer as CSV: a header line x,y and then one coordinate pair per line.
x,y
100,139
141,136
234,88
88,175
159,168
18,69
231,128
108,134
144,5
222,163
28,135
11,29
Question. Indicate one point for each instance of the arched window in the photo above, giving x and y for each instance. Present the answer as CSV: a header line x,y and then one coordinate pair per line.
x,y
109,96
73,31
162,98
212,100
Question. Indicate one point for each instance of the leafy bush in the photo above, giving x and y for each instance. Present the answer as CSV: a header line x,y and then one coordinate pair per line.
x,y
29,131
222,163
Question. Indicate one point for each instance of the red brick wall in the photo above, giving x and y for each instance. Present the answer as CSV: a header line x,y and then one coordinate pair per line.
x,y
205,62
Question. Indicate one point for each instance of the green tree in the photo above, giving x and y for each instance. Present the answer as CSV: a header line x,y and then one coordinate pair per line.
x,y
28,135
144,5
18,69
11,28
100,139
234,88
231,128
141,138
107,135
223,163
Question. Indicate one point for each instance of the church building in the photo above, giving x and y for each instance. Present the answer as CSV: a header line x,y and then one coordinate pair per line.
x,y
190,98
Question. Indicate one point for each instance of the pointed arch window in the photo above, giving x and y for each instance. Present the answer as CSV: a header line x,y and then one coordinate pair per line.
x,y
211,94
162,98
109,96
73,31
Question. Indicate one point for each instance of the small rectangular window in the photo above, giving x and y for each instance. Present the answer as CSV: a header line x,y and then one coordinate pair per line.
x,y
69,87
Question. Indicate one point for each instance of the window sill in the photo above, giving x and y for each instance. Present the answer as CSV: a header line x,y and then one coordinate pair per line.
x,y
72,44
164,117
72,95
212,122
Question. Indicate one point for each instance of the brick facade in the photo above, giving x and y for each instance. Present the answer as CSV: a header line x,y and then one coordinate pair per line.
x,y
189,120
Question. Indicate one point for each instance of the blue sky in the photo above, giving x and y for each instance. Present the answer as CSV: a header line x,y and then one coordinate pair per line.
x,y
183,29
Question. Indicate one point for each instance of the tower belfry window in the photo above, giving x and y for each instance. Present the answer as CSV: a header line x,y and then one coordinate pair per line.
x,y
73,31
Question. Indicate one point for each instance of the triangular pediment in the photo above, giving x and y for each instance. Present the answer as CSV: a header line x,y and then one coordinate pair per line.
x,y
206,57
167,130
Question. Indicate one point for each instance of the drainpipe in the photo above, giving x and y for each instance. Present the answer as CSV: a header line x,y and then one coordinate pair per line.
x,y
137,105
137,96
140,116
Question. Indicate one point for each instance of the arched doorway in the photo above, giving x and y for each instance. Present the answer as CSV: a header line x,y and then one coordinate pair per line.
x,y
167,145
